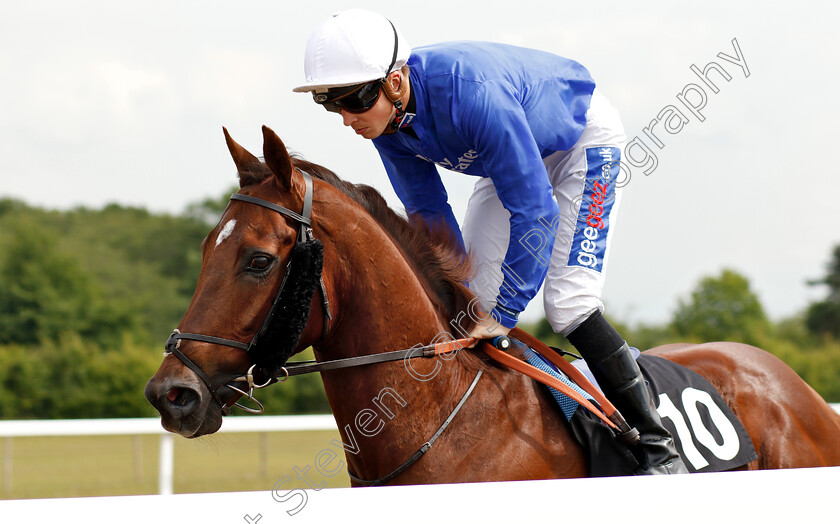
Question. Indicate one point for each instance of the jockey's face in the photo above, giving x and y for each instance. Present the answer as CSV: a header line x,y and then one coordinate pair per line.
x,y
372,122
375,121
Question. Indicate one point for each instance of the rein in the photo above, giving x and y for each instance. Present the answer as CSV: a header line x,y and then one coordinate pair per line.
x,y
312,366
292,369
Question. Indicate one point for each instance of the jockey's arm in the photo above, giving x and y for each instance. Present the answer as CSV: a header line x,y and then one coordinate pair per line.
x,y
418,185
497,127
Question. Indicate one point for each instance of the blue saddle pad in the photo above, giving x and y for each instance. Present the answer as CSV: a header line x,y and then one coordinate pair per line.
x,y
567,405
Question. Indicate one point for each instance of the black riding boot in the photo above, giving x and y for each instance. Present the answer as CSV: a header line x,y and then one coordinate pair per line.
x,y
620,378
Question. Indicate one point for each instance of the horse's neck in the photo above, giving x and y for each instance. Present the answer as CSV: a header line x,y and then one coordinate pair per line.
x,y
386,412
381,305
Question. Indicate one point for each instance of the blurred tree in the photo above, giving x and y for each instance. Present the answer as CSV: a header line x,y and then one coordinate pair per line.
x,y
70,379
150,263
123,269
721,308
44,292
87,298
823,317
646,336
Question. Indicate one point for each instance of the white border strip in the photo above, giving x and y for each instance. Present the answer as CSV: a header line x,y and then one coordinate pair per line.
x,y
784,496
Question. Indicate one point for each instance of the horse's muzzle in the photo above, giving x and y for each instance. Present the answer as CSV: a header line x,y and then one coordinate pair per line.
x,y
185,407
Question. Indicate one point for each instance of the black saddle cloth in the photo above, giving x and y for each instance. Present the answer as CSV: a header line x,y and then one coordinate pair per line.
x,y
708,435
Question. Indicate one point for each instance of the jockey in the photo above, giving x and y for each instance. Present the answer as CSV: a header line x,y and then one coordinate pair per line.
x,y
545,145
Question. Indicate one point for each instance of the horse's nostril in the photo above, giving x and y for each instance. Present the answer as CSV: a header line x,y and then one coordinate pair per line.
x,y
181,396
173,394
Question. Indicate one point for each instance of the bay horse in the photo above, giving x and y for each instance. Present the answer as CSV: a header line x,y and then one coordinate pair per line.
x,y
378,282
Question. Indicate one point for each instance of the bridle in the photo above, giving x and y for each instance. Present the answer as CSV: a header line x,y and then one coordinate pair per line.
x,y
297,264
305,242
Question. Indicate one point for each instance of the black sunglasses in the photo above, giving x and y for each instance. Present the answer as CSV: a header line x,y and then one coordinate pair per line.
x,y
354,99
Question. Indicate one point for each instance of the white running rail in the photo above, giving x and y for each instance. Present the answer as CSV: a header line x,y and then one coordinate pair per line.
x,y
151,426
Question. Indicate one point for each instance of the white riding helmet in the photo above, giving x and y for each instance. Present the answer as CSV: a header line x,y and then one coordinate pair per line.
x,y
352,47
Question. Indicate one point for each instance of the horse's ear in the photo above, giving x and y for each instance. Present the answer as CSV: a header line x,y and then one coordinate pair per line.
x,y
248,166
277,157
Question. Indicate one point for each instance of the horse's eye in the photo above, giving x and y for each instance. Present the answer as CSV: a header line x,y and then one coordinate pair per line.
x,y
259,263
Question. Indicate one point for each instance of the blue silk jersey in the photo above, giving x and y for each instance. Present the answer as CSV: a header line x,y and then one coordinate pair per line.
x,y
490,110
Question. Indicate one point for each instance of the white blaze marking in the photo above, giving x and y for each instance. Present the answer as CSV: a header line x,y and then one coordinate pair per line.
x,y
226,231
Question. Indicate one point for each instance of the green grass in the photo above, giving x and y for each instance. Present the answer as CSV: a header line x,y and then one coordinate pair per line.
x,y
46,467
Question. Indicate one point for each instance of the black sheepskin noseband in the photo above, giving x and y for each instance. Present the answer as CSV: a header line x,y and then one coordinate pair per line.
x,y
281,330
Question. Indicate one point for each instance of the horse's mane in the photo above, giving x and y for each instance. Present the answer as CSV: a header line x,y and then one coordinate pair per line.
x,y
432,249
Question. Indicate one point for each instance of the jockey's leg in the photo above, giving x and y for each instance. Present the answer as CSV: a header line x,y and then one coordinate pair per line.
x,y
618,374
486,232
586,182
573,308
576,271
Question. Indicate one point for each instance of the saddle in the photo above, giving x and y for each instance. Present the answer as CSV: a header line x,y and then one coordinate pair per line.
x,y
708,435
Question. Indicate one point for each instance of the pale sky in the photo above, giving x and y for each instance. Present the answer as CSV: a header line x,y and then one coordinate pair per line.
x,y
124,102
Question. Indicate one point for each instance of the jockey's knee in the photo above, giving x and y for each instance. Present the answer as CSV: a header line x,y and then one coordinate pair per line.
x,y
566,313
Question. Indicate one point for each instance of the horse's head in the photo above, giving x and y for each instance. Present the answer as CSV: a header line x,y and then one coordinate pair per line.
x,y
250,310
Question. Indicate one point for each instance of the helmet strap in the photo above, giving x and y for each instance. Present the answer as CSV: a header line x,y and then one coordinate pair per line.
x,y
398,118
395,96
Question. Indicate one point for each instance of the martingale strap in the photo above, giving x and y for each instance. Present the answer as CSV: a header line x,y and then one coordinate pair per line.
x,y
424,448
607,412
